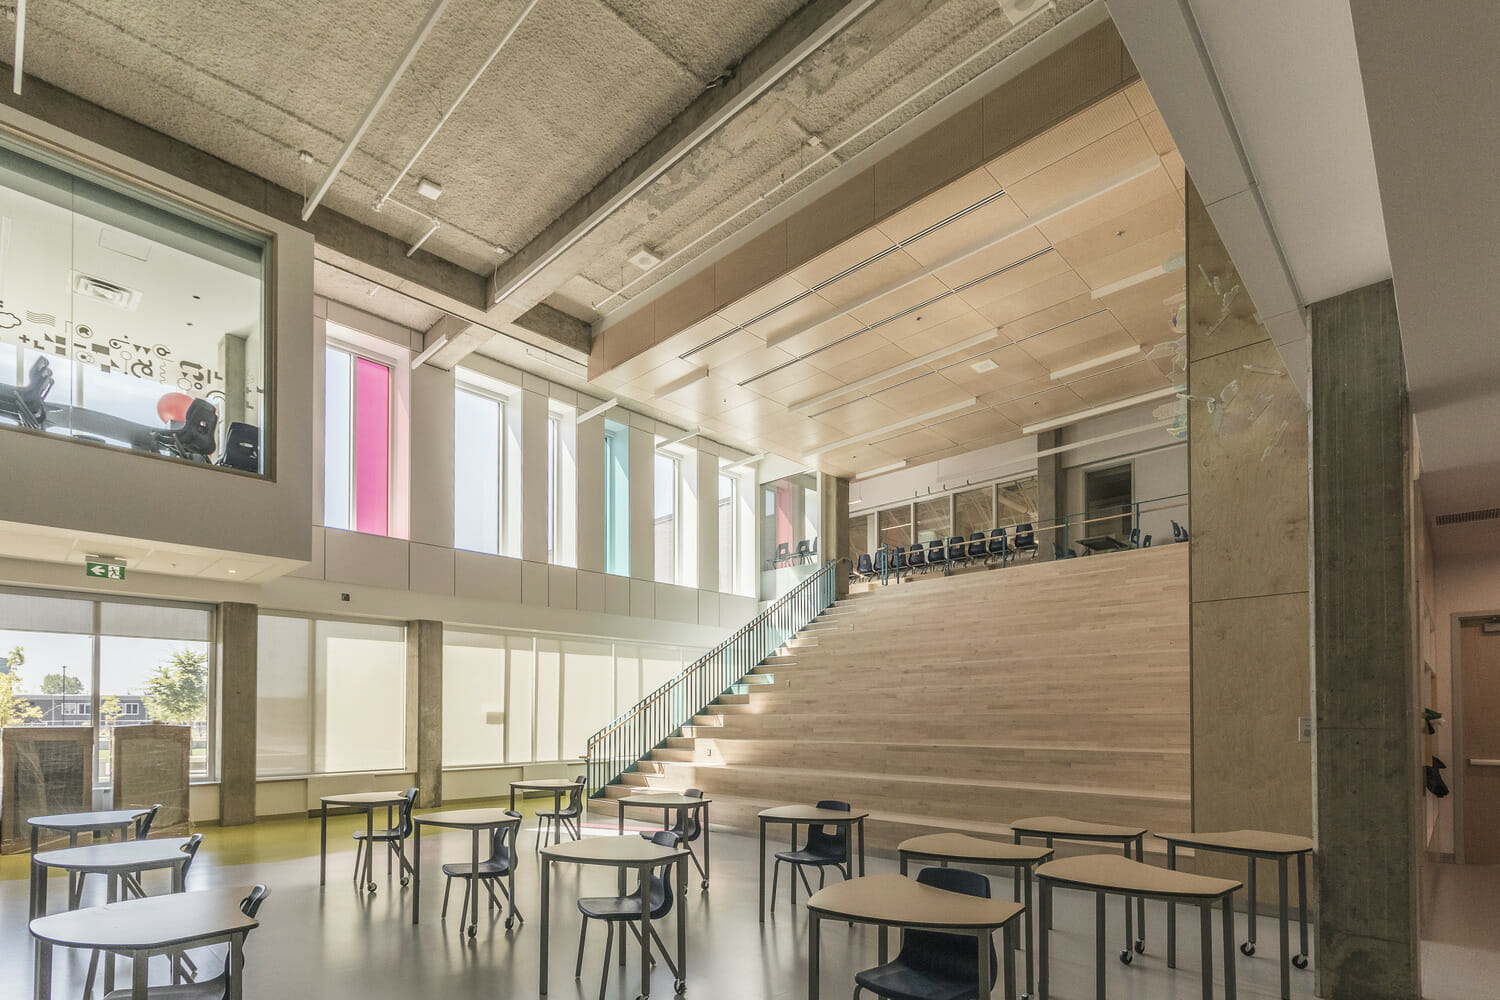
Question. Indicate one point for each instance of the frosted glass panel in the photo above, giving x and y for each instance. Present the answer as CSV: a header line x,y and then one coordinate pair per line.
x,y
476,472
659,664
372,446
589,696
627,677
283,713
45,614
548,693
360,673
473,699
522,677
155,621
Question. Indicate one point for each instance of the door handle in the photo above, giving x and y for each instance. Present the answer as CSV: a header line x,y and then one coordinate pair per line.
x,y
1483,762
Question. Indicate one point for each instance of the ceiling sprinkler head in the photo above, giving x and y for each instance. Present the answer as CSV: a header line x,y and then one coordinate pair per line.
x,y
304,156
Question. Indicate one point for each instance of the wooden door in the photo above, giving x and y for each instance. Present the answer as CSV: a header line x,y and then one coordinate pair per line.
x,y
1479,660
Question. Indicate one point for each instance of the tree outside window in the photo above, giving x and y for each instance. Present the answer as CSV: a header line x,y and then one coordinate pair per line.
x,y
14,710
178,690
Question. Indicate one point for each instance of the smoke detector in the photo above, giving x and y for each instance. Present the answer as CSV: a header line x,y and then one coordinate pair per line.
x,y
984,365
429,189
106,291
644,259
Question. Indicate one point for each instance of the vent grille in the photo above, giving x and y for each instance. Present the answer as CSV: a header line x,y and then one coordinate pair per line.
x,y
1489,514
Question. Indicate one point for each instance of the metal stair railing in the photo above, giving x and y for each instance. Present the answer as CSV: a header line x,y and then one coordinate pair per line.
x,y
619,746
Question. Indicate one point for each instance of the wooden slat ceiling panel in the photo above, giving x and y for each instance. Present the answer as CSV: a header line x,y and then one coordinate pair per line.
x,y
973,187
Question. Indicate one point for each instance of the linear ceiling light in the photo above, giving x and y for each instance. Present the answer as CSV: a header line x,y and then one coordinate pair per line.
x,y
858,384
883,469
962,404
15,83
1176,262
677,384
1103,359
678,439
428,351
1099,411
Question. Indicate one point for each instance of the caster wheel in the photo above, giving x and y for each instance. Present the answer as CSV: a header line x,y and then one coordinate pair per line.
x,y
705,883
680,985
473,930
1247,948
405,882
1300,961
509,922
1140,947
1126,956
371,887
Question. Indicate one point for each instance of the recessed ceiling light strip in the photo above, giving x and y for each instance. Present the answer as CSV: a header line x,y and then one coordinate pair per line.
x,y
924,418
925,359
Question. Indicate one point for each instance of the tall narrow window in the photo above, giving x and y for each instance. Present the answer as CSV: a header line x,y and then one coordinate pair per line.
x,y
554,433
728,536
666,518
562,488
357,443
478,471
616,500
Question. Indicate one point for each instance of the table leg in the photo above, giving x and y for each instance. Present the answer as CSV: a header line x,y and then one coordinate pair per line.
x,y
762,867
792,870
1228,920
111,894
179,876
512,798
42,979
620,872
1015,885
1125,955
707,868
1283,919
812,956
236,968
1302,907
140,964
370,849
682,877
40,907
557,823
323,849
389,825
34,842
474,880
1253,903
1024,871
416,873
546,910
73,901
645,934
1140,901
1099,942
861,848
982,941
1041,943
1206,939
1171,910
883,946
1008,967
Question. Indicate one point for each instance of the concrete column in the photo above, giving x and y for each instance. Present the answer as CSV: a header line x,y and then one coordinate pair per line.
x,y
433,459
833,528
1369,806
238,637
1051,492
424,657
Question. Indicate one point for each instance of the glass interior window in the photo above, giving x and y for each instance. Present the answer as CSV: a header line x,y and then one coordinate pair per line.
x,y
973,510
934,520
474,712
894,526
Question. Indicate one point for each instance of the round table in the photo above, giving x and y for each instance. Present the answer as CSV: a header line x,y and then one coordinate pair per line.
x,y
475,821
624,853
367,802
813,816
140,928
897,901
667,802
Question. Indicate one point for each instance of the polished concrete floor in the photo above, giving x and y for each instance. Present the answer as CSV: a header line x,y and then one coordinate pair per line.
x,y
340,942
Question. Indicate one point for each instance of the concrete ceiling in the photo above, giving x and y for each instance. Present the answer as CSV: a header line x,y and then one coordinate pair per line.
x,y
1048,257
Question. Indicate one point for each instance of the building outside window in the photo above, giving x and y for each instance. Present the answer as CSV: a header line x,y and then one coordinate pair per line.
x,y
486,466
128,319
356,442
668,472
562,485
729,549
616,499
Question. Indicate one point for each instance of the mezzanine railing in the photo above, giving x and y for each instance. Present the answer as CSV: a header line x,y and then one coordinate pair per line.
x,y
619,746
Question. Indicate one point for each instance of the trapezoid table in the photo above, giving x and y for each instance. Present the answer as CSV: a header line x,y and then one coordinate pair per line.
x,y
812,816
626,854
367,802
1251,845
82,822
966,850
667,802
557,786
1053,828
897,901
473,820
1103,874
140,928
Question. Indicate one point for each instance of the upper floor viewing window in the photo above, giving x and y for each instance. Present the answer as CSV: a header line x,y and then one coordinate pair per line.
x,y
127,320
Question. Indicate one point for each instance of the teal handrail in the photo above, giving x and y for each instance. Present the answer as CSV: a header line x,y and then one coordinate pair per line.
x,y
619,746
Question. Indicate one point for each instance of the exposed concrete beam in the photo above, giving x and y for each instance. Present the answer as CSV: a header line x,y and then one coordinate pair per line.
x,y
535,272
341,241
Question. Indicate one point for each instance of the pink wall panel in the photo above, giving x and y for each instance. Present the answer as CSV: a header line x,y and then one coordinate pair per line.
x,y
372,447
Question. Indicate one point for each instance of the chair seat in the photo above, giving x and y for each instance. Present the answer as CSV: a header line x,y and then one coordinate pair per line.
x,y
487,869
559,813
209,989
897,981
808,858
378,835
611,907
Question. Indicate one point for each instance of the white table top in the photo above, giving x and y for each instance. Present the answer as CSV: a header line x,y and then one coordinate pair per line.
x,y
1246,841
664,800
962,847
1117,874
88,820
545,784
625,852
469,819
898,900
365,800
125,855
810,814
1061,826
153,923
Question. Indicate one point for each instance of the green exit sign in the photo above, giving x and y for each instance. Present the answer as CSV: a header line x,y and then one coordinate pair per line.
x,y
104,571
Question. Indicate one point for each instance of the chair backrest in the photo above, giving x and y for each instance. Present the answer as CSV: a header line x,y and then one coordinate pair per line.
x,y
688,827
997,541
250,905
661,885
191,850
863,567
241,447
403,823
879,563
804,548
976,544
143,823
1025,537
575,797
956,549
1135,538
1177,533
937,951
1146,542
783,550
917,556
831,842
503,841
898,558
935,551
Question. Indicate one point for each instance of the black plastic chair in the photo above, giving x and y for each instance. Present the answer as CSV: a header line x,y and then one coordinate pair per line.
x,y
804,550
864,569
688,829
916,559
1146,542
131,888
393,838
568,816
209,989
878,565
998,547
499,869
143,823
1135,538
898,561
977,548
241,447
937,554
1179,533
1025,540
627,910
958,551
933,965
821,850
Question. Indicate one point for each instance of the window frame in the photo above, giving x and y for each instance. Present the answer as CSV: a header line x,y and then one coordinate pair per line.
x,y
675,465
357,353
505,545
